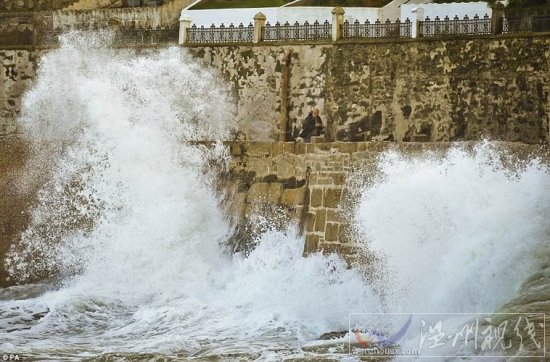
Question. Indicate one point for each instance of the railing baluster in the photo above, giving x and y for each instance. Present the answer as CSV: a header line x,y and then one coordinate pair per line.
x,y
446,26
439,26
427,26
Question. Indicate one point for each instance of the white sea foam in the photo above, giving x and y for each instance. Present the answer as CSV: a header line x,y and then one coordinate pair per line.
x,y
455,235
128,220
458,233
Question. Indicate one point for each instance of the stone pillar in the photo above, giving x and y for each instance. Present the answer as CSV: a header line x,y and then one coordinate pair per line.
x,y
283,117
337,23
185,24
496,18
259,24
418,16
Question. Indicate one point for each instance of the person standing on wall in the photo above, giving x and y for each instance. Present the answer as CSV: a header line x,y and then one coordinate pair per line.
x,y
311,127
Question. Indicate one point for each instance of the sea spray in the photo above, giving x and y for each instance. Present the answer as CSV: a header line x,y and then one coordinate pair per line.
x,y
114,120
128,222
458,232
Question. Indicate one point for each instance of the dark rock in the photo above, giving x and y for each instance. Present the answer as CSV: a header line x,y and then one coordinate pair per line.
x,y
333,335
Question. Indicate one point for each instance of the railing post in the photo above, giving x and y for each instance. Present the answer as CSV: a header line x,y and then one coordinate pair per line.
x,y
418,14
496,18
337,23
259,24
283,117
185,24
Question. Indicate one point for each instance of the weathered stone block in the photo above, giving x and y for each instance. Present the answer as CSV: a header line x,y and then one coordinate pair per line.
x,y
324,180
259,165
420,138
292,197
276,149
300,148
318,166
285,167
362,146
373,146
345,233
332,197
296,213
316,198
258,192
275,192
235,149
261,149
335,216
331,233
339,166
338,178
288,147
340,249
320,220
312,243
410,148
310,221
345,147
323,146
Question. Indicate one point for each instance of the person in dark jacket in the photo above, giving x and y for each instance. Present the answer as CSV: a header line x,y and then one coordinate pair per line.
x,y
312,126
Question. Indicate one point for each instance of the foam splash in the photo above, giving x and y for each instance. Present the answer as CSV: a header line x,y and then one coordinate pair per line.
x,y
109,131
128,220
458,233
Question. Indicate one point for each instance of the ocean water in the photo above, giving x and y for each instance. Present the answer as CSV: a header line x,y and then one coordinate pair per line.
x,y
129,234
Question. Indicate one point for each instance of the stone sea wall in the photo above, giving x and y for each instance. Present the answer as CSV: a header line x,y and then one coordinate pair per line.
x,y
32,5
15,203
408,90
304,182
266,184
426,90
87,15
17,72
317,185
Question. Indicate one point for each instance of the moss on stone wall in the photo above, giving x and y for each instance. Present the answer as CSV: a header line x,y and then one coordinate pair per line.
x,y
34,5
439,90
17,71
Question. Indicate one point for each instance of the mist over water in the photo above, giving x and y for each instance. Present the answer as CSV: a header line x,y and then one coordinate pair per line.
x,y
456,233
129,228
128,223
